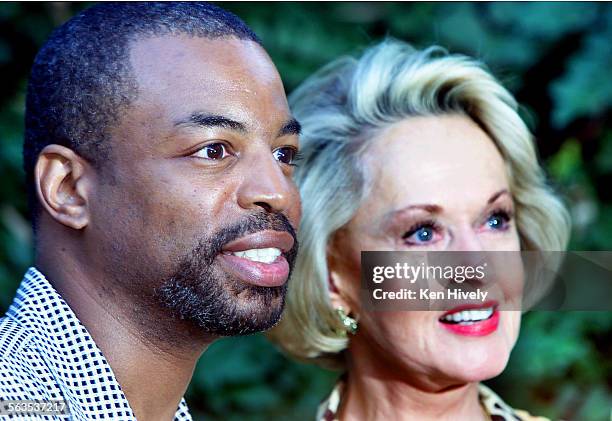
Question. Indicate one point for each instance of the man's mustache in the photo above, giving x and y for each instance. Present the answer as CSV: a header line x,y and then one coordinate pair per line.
x,y
249,225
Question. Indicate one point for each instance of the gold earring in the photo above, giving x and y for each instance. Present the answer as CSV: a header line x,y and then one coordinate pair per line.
x,y
350,324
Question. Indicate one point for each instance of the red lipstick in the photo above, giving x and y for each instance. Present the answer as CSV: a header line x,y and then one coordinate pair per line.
x,y
471,320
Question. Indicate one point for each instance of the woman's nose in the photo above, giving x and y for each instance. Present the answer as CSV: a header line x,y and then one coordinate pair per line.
x,y
465,239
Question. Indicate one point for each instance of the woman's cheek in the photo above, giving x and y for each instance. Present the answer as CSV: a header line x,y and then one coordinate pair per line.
x,y
512,326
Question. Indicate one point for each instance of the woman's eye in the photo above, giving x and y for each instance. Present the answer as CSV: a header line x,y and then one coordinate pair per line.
x,y
420,235
498,220
215,151
286,155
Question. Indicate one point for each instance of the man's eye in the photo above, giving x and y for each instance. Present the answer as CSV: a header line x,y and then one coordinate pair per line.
x,y
214,151
287,155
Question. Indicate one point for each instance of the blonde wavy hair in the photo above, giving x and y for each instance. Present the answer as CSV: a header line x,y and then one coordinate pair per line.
x,y
340,107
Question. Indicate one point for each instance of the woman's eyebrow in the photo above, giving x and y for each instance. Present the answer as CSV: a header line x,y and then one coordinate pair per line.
x,y
390,217
426,207
496,195
434,209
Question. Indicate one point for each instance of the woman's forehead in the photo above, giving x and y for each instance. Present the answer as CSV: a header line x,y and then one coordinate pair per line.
x,y
433,160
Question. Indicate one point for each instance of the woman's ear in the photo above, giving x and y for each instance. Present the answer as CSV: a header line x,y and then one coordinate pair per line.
x,y
339,282
61,185
335,296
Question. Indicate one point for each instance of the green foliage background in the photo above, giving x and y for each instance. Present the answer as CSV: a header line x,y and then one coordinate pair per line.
x,y
555,57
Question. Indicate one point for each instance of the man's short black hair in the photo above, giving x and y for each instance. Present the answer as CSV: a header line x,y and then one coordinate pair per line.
x,y
81,77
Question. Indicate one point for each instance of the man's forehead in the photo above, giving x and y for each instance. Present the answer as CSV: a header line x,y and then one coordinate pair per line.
x,y
179,75
222,63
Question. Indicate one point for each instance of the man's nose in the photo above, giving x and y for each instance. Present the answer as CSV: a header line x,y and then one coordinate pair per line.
x,y
266,186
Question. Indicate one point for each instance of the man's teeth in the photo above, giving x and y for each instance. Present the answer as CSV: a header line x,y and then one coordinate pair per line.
x,y
267,255
469,316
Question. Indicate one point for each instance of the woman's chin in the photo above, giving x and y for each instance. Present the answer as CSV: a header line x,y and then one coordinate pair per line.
x,y
474,362
473,355
484,369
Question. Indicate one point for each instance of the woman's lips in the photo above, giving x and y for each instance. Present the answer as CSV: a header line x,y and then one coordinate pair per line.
x,y
257,258
472,320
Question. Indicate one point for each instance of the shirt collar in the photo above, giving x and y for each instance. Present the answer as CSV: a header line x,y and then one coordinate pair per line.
x,y
77,364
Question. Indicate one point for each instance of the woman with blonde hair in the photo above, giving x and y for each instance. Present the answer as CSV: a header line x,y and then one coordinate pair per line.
x,y
410,150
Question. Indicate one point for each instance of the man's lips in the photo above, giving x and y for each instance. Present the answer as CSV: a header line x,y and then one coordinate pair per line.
x,y
262,239
266,274
472,319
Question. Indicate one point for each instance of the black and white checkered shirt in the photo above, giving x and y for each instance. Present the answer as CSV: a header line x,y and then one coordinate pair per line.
x,y
46,354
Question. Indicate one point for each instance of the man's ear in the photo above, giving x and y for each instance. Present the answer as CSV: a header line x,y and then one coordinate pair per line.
x,y
62,185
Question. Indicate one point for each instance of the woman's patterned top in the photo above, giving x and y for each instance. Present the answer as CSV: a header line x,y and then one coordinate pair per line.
x,y
493,405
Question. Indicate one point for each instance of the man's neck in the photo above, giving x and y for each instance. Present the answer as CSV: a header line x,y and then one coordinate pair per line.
x,y
153,362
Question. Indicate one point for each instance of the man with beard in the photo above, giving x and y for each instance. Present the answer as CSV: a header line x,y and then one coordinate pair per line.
x,y
158,151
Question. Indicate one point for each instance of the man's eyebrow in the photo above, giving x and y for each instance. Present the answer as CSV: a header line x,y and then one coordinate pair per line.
x,y
290,127
212,120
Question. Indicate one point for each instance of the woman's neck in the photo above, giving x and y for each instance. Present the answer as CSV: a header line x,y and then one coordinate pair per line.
x,y
375,391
